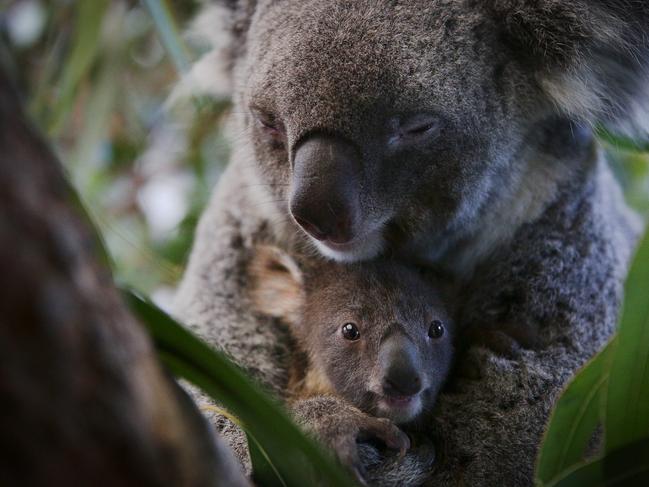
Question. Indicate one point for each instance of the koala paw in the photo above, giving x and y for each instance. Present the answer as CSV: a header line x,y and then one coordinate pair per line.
x,y
341,427
506,340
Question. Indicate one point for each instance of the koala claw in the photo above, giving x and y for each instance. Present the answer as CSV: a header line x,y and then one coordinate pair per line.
x,y
367,428
386,431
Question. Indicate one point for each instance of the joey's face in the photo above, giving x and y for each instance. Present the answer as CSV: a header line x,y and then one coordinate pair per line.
x,y
380,125
382,338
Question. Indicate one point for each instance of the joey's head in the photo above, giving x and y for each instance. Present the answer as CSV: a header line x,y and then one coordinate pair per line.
x,y
378,123
377,334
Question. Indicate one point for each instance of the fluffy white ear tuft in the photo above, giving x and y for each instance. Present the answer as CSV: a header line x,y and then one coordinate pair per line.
x,y
276,284
590,57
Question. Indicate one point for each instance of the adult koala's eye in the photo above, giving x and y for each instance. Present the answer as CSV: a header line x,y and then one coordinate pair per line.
x,y
268,122
416,128
350,332
436,330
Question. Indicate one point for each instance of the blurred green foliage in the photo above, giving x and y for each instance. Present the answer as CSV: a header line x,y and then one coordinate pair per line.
x,y
97,76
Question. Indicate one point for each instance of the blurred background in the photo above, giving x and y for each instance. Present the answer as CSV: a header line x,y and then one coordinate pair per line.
x,y
97,76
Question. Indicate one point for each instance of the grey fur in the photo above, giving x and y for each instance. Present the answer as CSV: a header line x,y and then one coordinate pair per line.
x,y
519,203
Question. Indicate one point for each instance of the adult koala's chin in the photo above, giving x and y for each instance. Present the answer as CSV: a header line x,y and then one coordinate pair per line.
x,y
455,133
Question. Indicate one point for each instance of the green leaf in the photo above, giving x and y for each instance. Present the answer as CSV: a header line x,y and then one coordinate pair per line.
x,y
574,419
86,162
627,413
295,457
85,47
263,471
166,27
620,142
625,467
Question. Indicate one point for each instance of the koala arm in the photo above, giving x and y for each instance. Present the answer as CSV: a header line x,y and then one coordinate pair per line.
x,y
561,277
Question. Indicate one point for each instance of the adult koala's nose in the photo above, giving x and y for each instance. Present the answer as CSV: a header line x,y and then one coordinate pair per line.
x,y
324,197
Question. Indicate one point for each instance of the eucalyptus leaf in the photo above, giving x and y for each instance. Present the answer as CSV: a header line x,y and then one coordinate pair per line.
x,y
295,457
622,143
85,46
263,471
625,467
627,413
574,419
168,32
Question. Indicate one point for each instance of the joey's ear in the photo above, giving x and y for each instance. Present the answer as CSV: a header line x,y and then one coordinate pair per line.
x,y
591,57
276,284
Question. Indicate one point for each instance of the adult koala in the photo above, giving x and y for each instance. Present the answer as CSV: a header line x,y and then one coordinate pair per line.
x,y
451,132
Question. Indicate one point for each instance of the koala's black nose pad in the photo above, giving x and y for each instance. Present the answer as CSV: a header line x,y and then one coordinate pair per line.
x,y
336,229
401,381
311,228
400,366
324,196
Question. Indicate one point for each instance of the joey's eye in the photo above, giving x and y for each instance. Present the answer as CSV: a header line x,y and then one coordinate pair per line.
x,y
436,330
350,332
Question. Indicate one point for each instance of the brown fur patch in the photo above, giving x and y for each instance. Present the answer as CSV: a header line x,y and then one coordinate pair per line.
x,y
276,284
306,380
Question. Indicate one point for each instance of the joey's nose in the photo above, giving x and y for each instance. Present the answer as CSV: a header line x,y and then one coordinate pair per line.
x,y
401,382
324,188
400,365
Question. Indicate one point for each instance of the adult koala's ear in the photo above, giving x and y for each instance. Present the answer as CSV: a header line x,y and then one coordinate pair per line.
x,y
220,29
591,57
276,284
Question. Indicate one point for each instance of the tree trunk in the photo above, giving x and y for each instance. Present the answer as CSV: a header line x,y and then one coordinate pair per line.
x,y
83,400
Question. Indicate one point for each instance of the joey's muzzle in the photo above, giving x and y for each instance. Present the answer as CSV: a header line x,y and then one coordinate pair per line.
x,y
400,366
324,197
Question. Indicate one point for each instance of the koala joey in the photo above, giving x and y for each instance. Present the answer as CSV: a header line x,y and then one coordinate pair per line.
x,y
378,334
